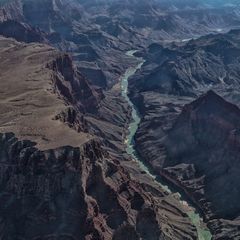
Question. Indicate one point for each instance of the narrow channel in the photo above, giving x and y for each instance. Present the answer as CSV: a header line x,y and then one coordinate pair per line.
x,y
197,221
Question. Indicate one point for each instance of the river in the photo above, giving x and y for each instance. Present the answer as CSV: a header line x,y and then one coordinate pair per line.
x,y
197,221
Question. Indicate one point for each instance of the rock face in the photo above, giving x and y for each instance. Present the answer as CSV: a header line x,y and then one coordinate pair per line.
x,y
189,68
21,32
99,32
206,135
38,197
75,89
198,150
60,173
196,146
61,24
12,25
202,154
35,93
64,170
70,193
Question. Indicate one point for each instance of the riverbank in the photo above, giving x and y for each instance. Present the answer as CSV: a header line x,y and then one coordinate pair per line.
x,y
202,230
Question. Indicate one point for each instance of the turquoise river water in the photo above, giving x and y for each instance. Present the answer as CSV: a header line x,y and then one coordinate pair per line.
x,y
197,221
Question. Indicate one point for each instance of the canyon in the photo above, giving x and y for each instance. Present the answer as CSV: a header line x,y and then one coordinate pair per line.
x,y
193,143
58,180
100,144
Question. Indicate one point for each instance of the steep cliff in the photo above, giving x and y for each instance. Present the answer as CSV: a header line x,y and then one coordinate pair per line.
x,y
193,67
99,32
196,148
69,193
70,84
64,126
59,179
206,135
28,101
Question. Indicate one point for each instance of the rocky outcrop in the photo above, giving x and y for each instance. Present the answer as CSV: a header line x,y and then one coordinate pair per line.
x,y
11,10
12,24
82,185
198,152
74,87
194,147
53,192
66,184
99,38
31,100
21,32
192,68
65,25
206,136
38,187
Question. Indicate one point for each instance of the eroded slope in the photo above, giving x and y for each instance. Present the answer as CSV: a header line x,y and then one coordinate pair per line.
x,y
28,103
57,180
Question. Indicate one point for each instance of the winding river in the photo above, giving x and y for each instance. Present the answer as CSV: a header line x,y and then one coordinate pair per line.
x,y
197,221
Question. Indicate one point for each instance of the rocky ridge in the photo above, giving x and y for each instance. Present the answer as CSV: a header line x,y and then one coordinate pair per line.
x,y
97,44
51,193
55,173
97,33
201,156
